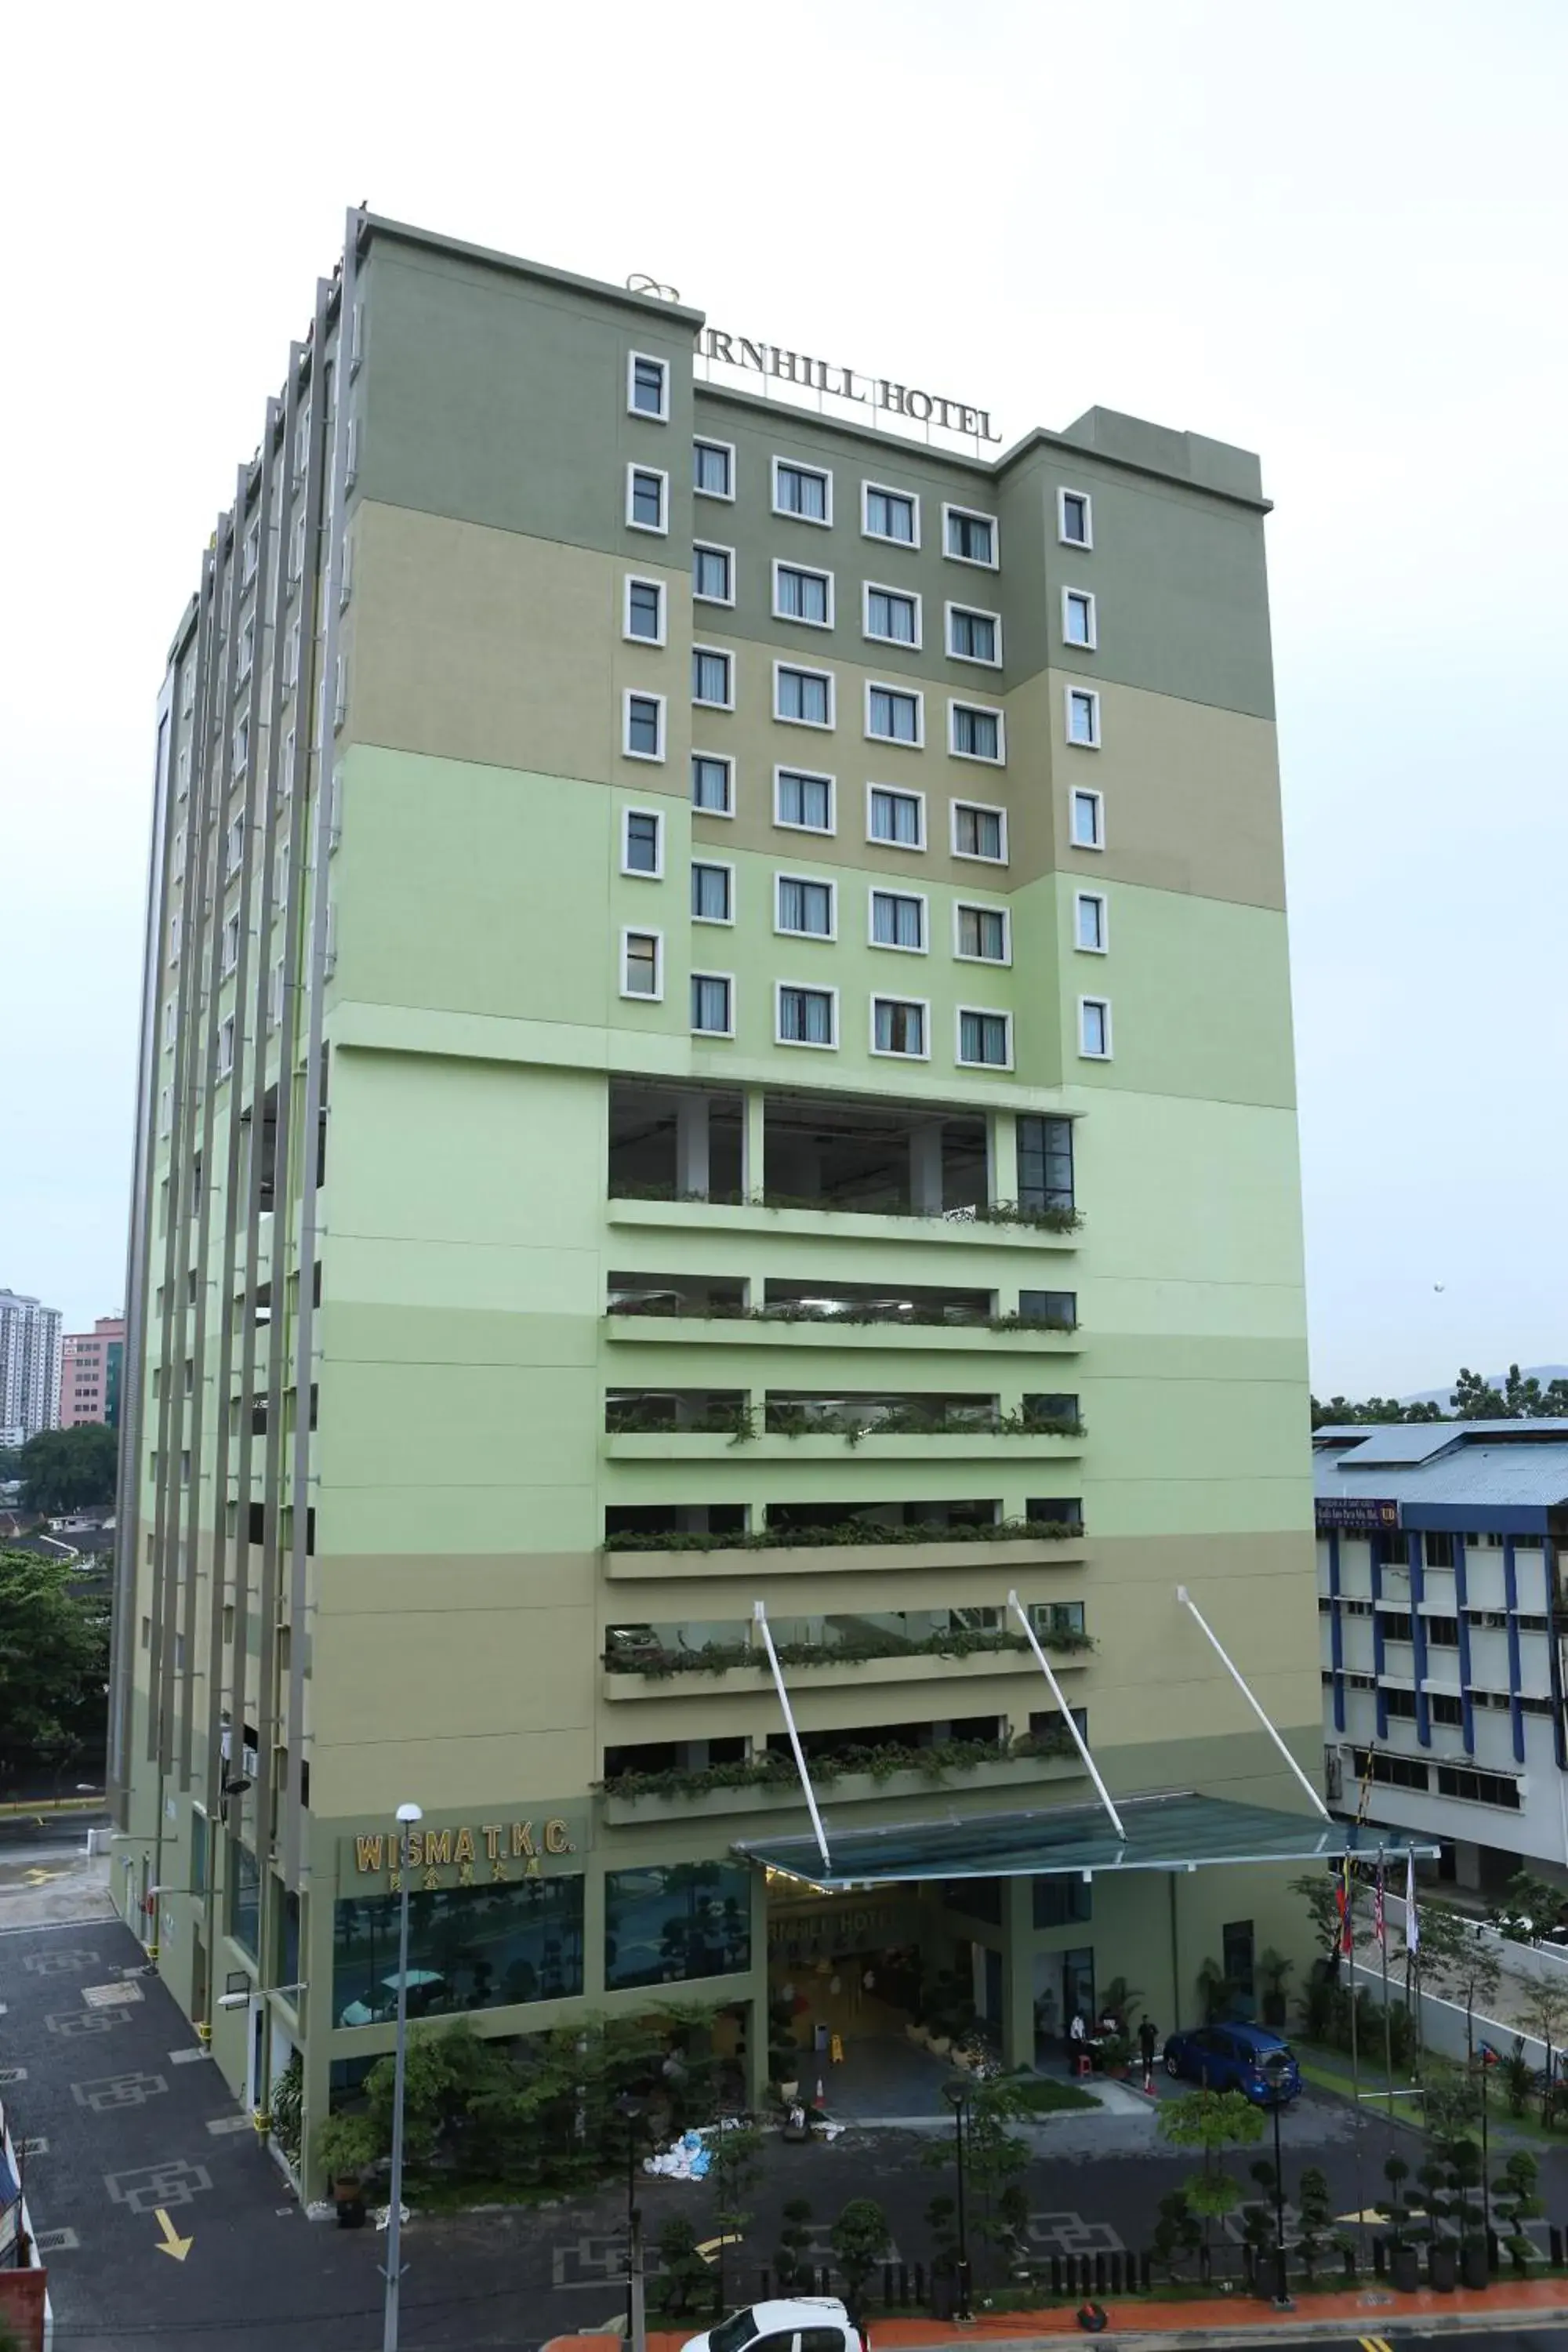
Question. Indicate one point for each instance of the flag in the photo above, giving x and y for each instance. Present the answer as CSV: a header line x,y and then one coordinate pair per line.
x,y
1412,1917
1379,1926
1343,1900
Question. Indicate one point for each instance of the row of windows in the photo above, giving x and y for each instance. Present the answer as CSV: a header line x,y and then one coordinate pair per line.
x,y
805,802
899,1027
890,616
807,697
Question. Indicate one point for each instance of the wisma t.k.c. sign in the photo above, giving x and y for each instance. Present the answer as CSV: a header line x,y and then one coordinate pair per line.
x,y
810,374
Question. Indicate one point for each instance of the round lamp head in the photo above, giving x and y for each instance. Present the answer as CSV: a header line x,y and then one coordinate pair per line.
x,y
956,2090
410,1813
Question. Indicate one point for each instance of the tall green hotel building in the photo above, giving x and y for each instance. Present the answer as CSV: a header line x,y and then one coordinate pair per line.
x,y
716,1032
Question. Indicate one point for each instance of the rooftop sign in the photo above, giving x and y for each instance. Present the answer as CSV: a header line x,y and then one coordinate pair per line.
x,y
880,393
1357,1514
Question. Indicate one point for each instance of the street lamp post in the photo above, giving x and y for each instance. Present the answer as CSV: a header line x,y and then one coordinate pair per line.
x,y
406,1817
958,2092
630,2108
1276,2074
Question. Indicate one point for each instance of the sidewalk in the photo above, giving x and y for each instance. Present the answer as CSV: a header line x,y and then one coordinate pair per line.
x,y
1229,2319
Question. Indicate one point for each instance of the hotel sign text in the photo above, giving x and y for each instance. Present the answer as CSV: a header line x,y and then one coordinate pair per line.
x,y
845,383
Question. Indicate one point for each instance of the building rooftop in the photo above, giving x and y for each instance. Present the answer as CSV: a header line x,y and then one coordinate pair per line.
x,y
1514,1464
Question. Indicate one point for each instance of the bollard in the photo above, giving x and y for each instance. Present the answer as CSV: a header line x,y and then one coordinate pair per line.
x,y
765,2297
1145,2271
1380,2257
1350,2265
887,2286
824,2276
1101,2280
904,2283
1248,2280
1056,2273
920,2284
1555,2237
1116,2273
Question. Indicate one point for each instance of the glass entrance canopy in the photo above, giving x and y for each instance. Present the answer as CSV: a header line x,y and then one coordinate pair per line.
x,y
1163,1834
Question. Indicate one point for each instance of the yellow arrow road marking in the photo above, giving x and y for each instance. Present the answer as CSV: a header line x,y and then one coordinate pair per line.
x,y
709,2246
171,2241
37,1877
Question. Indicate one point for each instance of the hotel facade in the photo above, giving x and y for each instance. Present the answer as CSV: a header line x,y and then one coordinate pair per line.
x,y
717,1051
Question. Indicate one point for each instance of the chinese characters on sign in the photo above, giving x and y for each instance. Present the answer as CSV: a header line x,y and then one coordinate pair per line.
x,y
843,383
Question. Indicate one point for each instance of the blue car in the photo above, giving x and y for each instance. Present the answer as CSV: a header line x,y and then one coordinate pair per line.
x,y
1245,2058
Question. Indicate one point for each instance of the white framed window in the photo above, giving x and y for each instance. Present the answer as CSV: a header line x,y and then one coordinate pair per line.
x,y
291,657
805,1016
984,1039
980,831
803,493
892,515
895,714
648,387
642,726
1082,708
183,772
974,732
713,574
346,573
165,1110
890,615
1090,922
351,453
226,1045
804,909
1075,519
233,848
900,1025
1094,1028
713,892
802,698
1086,819
647,498
973,636
188,690
802,801
241,745
340,691
301,441
286,767
898,919
230,944
1078,626
713,784
981,934
297,548
171,1018
969,537
356,338
712,677
713,1003
274,994
247,648
642,616
803,595
642,843
329,945
252,555
642,964
178,862
713,470
895,817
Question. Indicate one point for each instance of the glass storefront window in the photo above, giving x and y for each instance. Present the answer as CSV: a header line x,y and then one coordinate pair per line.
x,y
667,1925
244,1899
469,1948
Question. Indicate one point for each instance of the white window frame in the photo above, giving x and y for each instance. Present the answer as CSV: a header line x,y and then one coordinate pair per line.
x,y
1063,494
340,691
182,773
1092,898
1089,694
816,776
707,441
821,882
1090,644
1086,792
802,466
166,1110
972,514
955,705
726,654
886,1053
660,474
973,857
807,988
291,656
804,670
171,1020
639,579
351,453
809,572
188,689
630,931
234,848
888,490
246,659
983,1013
637,694
230,956
346,576
727,814
719,866
241,746
713,547
910,848
897,947
976,613
641,873
250,554
1085,1052
274,994
660,415
868,588
914,694
960,907
226,1045
729,980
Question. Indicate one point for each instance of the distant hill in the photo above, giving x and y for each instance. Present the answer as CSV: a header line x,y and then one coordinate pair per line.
x,y
1542,1372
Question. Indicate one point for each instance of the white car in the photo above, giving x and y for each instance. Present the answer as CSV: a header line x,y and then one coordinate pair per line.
x,y
807,2323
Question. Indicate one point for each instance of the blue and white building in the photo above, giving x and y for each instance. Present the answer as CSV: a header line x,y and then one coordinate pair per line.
x,y
1441,1615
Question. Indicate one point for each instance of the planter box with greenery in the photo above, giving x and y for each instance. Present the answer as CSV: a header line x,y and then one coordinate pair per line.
x,y
816,1445
768,1783
993,1229
739,1667
1014,1544
837,1331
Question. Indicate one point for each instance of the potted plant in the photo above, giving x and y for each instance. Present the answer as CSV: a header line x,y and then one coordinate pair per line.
x,y
1116,2055
346,2148
1404,2264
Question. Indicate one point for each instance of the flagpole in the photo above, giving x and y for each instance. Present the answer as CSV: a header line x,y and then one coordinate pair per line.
x,y
1355,2055
1412,1959
1387,2019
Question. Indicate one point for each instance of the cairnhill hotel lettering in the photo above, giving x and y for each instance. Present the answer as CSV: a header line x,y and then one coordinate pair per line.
x,y
845,383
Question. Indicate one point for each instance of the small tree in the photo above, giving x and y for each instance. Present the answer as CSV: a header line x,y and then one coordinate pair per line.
x,y
1211,2121
1178,2235
860,2239
790,2265
1449,1952
1545,2010
1316,2208
1515,2202
681,2270
1396,2172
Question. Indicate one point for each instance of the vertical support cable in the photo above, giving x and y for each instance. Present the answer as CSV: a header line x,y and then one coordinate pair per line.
x,y
760,1615
1081,1744
1186,1598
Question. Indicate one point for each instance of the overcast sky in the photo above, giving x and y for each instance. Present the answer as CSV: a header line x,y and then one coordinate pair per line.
x,y
1332,233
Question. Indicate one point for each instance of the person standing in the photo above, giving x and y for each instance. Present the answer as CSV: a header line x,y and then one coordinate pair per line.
x,y
1148,2040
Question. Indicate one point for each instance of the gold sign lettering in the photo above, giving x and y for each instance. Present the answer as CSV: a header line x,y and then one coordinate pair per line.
x,y
521,1839
438,1847
463,1851
367,1852
496,1843
555,1838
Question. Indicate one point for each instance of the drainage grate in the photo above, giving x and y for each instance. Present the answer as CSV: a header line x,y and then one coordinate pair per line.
x,y
57,2241
12,2074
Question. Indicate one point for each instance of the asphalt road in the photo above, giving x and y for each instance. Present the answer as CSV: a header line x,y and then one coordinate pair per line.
x,y
128,2122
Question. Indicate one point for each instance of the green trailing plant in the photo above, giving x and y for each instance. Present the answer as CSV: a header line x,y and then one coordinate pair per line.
x,y
726,1657
998,1212
772,1769
842,1534
287,2106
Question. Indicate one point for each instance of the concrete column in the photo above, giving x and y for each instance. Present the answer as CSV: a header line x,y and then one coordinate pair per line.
x,y
757,2016
691,1145
1017,1972
1003,1155
753,1171
592,1929
925,1167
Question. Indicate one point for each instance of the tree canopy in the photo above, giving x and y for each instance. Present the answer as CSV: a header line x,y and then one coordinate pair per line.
x,y
70,1469
54,1661
1472,1398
